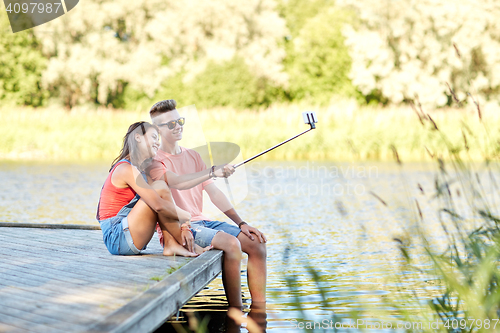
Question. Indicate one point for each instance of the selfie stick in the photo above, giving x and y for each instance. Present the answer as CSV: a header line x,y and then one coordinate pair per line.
x,y
309,118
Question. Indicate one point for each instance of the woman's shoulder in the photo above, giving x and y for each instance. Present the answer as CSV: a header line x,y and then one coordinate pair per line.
x,y
122,169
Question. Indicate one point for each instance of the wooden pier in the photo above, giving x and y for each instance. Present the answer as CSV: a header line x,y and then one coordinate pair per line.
x,y
65,280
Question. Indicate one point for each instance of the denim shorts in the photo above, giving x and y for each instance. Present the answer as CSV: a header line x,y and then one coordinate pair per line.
x,y
116,234
204,231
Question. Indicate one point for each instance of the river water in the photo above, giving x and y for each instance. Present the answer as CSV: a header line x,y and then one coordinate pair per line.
x,y
338,219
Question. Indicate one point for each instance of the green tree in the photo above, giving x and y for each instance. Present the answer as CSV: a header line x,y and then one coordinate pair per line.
x,y
318,62
21,66
229,83
408,48
136,46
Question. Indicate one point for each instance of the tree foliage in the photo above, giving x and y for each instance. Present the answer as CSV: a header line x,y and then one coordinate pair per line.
x,y
21,66
127,54
318,63
406,49
108,47
229,83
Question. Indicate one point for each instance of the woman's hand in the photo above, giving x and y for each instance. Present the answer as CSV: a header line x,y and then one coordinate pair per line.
x,y
225,171
187,238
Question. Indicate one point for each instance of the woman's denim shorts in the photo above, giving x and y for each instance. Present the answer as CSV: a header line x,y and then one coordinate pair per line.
x,y
116,234
204,231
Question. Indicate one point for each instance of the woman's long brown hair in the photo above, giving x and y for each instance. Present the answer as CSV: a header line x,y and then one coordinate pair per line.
x,y
125,151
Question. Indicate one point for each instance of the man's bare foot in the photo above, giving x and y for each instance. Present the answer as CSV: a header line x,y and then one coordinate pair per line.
x,y
235,314
174,248
198,249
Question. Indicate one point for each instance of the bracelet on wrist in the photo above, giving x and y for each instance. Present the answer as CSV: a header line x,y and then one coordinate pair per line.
x,y
212,172
241,223
186,228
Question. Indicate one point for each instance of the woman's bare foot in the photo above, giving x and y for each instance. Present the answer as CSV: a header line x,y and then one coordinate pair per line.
x,y
199,250
174,248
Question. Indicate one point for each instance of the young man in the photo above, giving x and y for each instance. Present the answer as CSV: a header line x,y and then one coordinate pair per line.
x,y
176,160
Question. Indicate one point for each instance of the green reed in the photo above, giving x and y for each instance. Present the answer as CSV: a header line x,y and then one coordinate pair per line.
x,y
468,267
345,132
447,276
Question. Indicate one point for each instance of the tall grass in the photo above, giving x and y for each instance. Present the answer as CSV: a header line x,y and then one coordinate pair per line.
x,y
56,134
468,266
345,132
448,279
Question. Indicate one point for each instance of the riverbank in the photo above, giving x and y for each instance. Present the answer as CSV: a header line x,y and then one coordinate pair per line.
x,y
345,132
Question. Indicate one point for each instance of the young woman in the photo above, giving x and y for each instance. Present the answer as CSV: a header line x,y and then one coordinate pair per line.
x,y
129,207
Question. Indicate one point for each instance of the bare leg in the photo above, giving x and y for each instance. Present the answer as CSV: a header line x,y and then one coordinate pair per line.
x,y
231,272
142,224
236,318
170,228
259,315
199,250
256,267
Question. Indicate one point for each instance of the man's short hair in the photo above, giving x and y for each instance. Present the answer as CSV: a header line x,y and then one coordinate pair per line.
x,y
162,107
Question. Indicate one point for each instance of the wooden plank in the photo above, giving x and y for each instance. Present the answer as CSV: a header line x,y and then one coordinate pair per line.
x,y
49,226
50,277
61,272
10,324
56,314
35,302
148,311
74,272
7,328
29,320
66,252
67,290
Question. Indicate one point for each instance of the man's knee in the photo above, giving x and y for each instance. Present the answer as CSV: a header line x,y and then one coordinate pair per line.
x,y
257,249
234,244
229,244
252,247
234,248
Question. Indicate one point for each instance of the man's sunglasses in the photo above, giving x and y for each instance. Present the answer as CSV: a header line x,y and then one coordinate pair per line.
x,y
171,124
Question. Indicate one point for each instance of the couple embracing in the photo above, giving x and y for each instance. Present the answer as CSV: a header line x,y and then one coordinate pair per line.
x,y
155,184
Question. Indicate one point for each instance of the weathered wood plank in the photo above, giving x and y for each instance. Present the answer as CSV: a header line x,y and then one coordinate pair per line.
x,y
49,226
59,254
73,272
55,280
58,315
18,299
149,310
30,321
67,292
73,268
10,324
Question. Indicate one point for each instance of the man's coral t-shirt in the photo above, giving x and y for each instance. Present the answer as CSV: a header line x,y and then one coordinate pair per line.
x,y
188,161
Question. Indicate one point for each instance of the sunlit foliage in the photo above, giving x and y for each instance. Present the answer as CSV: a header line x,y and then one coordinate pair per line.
x,y
404,49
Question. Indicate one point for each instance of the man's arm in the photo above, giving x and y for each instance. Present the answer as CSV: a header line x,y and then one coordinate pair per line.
x,y
187,181
220,200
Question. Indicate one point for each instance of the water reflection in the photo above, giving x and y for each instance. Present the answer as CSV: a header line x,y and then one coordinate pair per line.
x,y
217,317
50,193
